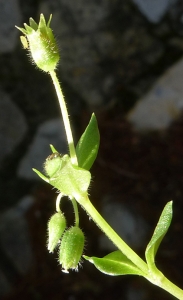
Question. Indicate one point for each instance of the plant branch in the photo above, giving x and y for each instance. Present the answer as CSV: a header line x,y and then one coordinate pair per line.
x,y
157,279
65,117
112,235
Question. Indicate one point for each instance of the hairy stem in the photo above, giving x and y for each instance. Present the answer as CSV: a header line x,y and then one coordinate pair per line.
x,y
157,279
65,117
76,213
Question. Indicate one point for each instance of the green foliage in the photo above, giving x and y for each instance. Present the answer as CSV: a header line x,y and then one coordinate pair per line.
x,y
115,263
158,235
70,175
87,147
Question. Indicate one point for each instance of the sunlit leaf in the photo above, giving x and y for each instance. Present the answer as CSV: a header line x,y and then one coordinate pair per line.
x,y
159,233
115,263
87,147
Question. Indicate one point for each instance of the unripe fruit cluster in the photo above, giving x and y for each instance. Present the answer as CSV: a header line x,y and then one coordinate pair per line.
x,y
70,241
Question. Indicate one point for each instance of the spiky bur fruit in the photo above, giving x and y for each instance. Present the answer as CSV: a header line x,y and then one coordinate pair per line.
x,y
56,227
40,41
71,248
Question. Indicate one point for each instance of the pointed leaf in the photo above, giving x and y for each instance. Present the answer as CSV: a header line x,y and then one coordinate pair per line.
x,y
158,235
87,147
115,263
53,149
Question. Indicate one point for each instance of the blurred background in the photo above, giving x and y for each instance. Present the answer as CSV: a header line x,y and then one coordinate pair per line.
x,y
123,61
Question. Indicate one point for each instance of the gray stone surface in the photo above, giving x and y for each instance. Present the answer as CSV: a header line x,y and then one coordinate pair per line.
x,y
97,51
84,12
82,39
13,125
153,10
5,285
10,16
50,132
132,228
162,104
14,236
135,293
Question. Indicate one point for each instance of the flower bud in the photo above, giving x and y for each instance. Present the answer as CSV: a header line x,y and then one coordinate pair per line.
x,y
41,43
71,248
53,164
56,227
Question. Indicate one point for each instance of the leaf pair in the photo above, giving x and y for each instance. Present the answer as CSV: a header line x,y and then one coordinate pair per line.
x,y
116,263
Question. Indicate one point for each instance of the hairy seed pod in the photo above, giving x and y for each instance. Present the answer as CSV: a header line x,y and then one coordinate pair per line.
x,y
71,248
53,164
56,227
41,44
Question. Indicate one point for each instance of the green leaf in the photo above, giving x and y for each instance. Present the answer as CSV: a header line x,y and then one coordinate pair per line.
x,y
53,149
115,263
87,147
158,235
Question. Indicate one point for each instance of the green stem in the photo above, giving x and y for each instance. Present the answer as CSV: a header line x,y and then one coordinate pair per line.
x,y
112,235
58,202
171,288
74,204
76,213
158,279
65,118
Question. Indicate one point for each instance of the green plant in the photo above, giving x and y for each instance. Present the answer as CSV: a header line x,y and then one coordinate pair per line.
x,y
70,175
